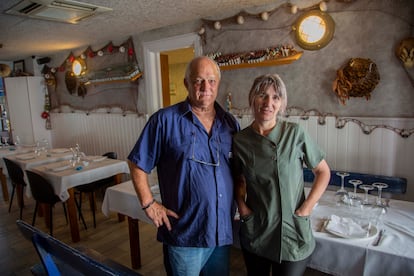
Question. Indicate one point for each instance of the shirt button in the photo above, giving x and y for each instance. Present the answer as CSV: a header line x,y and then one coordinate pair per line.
x,y
220,195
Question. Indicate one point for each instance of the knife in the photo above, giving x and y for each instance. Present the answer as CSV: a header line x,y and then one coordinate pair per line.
x,y
378,239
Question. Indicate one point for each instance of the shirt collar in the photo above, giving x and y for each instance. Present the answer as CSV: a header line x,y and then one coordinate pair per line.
x,y
185,108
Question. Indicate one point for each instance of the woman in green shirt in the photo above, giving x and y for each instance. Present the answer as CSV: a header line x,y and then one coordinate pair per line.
x,y
275,230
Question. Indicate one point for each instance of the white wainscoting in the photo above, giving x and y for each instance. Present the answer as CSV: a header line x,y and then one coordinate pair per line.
x,y
382,152
97,133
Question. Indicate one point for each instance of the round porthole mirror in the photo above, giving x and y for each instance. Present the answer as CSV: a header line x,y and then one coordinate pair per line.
x,y
314,30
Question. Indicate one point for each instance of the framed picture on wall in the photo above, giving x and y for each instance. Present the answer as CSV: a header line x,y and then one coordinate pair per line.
x,y
18,66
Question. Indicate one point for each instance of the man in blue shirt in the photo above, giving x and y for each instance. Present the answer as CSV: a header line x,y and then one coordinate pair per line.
x,y
190,144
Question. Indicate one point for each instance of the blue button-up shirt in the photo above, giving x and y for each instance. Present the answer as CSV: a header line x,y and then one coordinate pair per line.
x,y
193,172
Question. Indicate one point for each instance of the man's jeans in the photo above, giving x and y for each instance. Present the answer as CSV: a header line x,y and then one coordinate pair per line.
x,y
190,261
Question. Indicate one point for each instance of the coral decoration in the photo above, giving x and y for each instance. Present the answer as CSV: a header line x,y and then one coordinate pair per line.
x,y
357,79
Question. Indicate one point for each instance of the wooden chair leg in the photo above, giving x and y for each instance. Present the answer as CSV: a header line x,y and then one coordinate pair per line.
x,y
35,213
3,180
11,198
51,219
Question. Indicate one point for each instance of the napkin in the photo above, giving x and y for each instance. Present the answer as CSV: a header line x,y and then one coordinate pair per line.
x,y
62,150
25,156
25,150
345,226
59,169
95,158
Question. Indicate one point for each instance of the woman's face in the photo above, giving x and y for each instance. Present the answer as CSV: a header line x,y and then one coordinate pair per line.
x,y
266,105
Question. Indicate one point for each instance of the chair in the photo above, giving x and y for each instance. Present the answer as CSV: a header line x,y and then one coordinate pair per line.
x,y
92,187
17,179
43,192
59,258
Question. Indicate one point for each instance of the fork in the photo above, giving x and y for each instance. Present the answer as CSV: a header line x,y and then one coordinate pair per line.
x,y
379,238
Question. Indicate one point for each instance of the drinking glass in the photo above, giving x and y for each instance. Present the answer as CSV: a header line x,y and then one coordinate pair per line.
x,y
342,194
17,141
38,149
380,186
366,189
355,182
4,140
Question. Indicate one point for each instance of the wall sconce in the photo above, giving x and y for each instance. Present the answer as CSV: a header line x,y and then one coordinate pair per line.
x,y
314,30
78,67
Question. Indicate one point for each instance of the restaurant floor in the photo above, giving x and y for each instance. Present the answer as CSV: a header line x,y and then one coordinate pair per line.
x,y
110,238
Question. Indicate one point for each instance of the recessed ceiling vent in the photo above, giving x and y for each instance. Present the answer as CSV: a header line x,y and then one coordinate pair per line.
x,y
63,10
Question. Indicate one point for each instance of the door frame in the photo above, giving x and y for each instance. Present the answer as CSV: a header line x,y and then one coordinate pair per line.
x,y
152,67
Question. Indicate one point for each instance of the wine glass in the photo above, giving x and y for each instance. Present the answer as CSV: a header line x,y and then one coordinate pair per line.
x,y
380,186
4,140
342,194
17,141
366,189
355,182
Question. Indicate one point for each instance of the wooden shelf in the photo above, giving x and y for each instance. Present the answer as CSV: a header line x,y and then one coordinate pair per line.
x,y
271,62
114,80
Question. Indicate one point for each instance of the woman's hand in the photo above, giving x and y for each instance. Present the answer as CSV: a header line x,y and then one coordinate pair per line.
x,y
303,211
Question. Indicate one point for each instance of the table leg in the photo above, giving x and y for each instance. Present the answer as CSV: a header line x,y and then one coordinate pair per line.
x,y
3,180
73,218
134,242
118,180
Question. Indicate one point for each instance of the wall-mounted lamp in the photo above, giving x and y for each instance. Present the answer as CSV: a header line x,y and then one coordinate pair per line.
x,y
79,67
314,30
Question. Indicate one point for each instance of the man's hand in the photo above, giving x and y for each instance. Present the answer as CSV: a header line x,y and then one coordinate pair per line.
x,y
159,215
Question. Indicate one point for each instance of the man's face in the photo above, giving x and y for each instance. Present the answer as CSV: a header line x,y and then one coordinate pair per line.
x,y
203,84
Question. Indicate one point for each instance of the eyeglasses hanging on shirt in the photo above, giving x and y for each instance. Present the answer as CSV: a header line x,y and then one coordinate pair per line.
x,y
214,164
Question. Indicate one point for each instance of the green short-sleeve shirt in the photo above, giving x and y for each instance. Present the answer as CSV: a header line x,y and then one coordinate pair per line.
x,y
273,169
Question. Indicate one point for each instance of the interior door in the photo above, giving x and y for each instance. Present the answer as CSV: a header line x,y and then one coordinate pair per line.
x,y
165,79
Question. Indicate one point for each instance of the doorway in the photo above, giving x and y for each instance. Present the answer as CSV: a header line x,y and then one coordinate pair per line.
x,y
152,64
173,66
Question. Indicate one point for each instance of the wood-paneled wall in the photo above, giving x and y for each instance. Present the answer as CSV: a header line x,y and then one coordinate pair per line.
x,y
382,152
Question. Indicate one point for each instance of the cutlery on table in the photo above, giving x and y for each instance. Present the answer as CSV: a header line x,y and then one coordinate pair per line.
x,y
379,238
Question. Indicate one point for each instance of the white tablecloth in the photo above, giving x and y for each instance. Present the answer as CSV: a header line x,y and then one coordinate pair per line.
x,y
37,160
123,199
71,177
341,256
334,255
9,151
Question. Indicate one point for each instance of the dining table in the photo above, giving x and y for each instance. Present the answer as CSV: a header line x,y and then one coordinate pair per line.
x,y
64,177
6,151
352,253
123,199
30,159
335,253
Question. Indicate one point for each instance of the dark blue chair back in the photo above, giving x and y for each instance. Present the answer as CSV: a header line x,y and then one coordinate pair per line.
x,y
59,258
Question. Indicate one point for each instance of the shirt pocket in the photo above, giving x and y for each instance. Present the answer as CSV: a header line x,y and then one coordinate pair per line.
x,y
301,232
181,146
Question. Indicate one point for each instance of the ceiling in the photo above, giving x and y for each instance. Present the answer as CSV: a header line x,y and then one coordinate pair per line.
x,y
23,37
